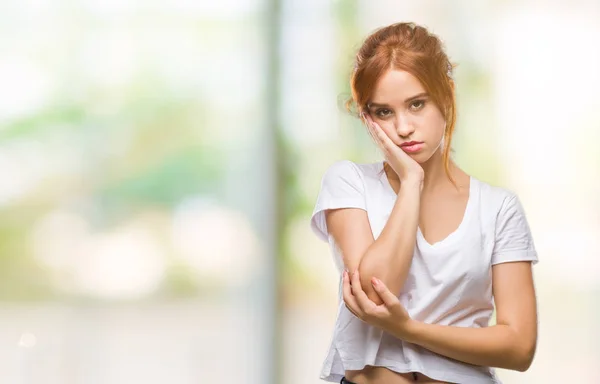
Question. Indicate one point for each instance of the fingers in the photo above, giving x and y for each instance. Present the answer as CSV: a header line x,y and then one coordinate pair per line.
x,y
349,299
364,303
382,136
372,130
388,298
384,141
359,304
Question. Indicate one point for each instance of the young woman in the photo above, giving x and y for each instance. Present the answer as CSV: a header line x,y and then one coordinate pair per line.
x,y
424,250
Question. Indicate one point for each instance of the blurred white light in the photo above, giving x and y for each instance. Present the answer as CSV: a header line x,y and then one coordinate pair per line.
x,y
125,263
546,83
27,340
24,163
57,238
313,255
571,255
22,166
25,87
215,241
110,58
208,9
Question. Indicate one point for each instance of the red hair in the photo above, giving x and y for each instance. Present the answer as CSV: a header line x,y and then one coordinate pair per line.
x,y
411,48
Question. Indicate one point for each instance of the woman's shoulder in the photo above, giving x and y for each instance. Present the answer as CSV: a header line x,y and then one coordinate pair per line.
x,y
493,194
353,171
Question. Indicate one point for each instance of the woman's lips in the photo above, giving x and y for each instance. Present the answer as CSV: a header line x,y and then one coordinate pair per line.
x,y
412,147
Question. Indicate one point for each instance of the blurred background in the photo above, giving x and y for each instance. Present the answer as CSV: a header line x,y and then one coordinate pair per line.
x,y
159,162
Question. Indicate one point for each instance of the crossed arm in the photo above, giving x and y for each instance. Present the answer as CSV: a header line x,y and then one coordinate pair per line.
x,y
509,344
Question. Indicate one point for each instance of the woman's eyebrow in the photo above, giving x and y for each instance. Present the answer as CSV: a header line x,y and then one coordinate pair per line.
x,y
419,95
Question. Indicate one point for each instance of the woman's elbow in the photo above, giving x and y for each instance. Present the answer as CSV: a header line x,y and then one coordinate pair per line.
x,y
366,272
524,356
523,365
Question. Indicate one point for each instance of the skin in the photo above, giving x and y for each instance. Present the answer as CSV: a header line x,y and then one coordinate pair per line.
x,y
399,112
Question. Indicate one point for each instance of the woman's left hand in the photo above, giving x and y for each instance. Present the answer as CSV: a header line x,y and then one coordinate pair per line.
x,y
390,316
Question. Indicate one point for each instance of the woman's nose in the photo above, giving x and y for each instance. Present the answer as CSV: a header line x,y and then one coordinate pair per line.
x,y
404,126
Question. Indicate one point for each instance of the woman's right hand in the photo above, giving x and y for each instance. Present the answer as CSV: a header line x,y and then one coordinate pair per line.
x,y
407,169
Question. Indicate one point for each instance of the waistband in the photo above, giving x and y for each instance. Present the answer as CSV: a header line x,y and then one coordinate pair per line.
x,y
346,381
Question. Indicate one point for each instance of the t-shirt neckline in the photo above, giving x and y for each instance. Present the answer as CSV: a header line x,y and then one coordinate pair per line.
x,y
453,236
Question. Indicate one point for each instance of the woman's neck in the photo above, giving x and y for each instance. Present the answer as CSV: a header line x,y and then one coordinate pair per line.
x,y
435,173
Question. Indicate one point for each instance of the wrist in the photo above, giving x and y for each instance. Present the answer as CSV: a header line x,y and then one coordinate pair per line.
x,y
411,331
411,184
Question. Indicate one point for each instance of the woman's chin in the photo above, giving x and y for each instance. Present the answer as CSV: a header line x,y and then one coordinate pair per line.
x,y
421,157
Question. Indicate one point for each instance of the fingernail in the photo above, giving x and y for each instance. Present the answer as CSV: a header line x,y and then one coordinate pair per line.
x,y
374,281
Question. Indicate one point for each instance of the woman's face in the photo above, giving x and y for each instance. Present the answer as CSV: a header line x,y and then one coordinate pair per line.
x,y
402,108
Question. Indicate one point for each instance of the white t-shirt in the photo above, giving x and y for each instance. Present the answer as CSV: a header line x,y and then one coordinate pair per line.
x,y
449,282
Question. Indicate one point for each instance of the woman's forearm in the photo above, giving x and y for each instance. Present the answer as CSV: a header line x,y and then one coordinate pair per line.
x,y
390,256
495,346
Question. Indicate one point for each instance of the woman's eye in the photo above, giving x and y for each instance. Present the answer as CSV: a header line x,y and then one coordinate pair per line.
x,y
417,105
383,112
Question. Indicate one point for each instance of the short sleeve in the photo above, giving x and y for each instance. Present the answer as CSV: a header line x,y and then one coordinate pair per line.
x,y
513,237
341,187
